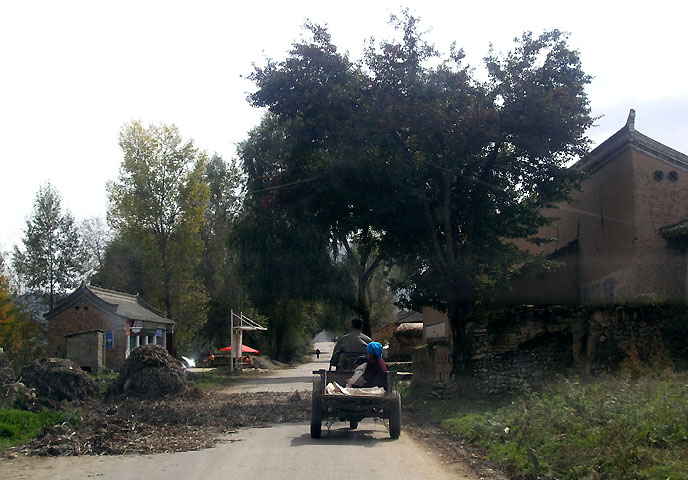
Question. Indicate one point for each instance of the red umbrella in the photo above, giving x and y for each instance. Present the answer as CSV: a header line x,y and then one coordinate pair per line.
x,y
244,349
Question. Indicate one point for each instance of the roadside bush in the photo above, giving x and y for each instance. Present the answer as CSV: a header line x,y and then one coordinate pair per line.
x,y
613,427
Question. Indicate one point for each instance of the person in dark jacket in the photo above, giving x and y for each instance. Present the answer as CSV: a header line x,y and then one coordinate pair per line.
x,y
350,346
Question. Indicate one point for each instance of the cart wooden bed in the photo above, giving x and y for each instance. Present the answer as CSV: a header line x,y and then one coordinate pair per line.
x,y
353,408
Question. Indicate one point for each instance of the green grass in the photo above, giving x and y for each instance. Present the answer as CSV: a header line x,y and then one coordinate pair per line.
x,y
613,427
18,426
210,380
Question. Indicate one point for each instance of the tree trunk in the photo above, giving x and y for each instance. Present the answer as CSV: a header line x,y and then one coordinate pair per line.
x,y
363,304
458,311
166,282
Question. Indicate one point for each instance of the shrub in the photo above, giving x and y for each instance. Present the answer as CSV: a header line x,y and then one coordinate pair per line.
x,y
613,427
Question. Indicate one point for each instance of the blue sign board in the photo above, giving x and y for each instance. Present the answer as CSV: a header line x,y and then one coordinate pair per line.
x,y
159,332
109,340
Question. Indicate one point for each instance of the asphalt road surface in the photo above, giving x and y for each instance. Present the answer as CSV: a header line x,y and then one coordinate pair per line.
x,y
284,451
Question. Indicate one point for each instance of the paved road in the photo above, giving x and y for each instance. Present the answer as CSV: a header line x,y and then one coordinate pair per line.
x,y
283,451
287,380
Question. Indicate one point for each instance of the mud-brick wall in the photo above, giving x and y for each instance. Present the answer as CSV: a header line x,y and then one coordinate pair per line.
x,y
86,350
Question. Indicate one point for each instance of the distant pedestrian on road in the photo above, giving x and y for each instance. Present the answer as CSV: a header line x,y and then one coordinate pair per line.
x,y
317,353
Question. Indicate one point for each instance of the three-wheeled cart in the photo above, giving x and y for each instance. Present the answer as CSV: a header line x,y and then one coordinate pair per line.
x,y
353,408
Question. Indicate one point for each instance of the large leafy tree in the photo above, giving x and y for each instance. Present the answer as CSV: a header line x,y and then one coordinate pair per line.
x,y
443,169
52,259
320,105
95,238
159,202
284,259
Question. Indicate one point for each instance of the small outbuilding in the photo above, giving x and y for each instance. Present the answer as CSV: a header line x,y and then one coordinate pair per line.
x,y
99,328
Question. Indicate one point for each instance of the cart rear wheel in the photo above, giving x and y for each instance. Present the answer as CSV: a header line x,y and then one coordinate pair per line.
x,y
395,416
316,409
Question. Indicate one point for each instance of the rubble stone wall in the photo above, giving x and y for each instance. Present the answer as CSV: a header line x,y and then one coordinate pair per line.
x,y
521,347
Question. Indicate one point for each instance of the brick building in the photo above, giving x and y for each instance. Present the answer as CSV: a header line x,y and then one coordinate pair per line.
x,y
94,325
623,239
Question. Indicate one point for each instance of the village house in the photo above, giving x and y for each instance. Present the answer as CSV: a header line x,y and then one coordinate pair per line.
x,y
621,242
402,335
98,328
624,237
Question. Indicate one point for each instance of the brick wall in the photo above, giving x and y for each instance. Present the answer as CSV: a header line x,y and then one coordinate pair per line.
x,y
83,317
615,219
659,201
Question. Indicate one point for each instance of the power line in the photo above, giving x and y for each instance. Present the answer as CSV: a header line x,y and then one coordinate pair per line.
x,y
286,184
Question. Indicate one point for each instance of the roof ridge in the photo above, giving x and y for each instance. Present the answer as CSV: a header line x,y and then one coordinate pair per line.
x,y
628,136
115,292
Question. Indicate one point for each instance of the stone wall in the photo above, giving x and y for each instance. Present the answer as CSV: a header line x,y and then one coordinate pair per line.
x,y
522,347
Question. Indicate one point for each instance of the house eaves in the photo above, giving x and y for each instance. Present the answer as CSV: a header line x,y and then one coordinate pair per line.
x,y
130,306
116,304
629,137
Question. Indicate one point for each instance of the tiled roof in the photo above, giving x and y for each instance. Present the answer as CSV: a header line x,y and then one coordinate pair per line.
x,y
129,306
119,304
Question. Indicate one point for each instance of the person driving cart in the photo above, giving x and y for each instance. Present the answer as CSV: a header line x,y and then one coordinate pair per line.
x,y
350,346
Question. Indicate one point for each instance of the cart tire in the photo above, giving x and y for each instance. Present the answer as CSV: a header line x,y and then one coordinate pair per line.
x,y
395,416
316,409
353,424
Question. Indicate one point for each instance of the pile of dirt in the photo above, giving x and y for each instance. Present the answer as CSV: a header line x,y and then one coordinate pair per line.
x,y
6,370
58,379
171,424
261,361
150,372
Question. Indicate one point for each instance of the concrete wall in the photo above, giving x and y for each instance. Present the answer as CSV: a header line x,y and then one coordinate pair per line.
x,y
86,350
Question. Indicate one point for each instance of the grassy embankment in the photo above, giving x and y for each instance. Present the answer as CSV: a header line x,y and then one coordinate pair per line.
x,y
18,426
610,427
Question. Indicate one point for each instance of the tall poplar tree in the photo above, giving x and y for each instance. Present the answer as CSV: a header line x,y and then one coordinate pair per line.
x,y
159,202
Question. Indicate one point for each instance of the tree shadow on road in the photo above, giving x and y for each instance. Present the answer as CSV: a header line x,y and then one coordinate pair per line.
x,y
343,436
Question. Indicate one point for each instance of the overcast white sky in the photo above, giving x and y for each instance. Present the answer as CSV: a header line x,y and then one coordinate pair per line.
x,y
73,72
